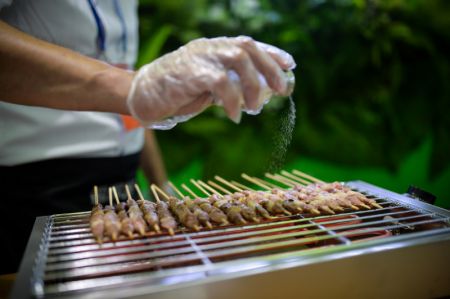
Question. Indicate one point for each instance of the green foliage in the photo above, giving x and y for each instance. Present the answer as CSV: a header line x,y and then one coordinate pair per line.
x,y
372,82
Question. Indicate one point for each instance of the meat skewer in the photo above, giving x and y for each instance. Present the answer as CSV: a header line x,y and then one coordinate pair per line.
x,y
181,211
166,219
248,212
333,188
312,195
201,215
303,202
270,202
112,222
126,225
252,203
232,210
96,221
135,214
148,209
214,213
245,196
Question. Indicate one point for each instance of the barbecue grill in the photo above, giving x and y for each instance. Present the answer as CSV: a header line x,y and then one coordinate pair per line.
x,y
399,250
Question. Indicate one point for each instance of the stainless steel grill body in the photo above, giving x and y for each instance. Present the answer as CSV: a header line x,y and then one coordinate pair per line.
x,y
401,250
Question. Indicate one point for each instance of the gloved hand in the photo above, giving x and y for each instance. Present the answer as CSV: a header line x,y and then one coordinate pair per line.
x,y
193,77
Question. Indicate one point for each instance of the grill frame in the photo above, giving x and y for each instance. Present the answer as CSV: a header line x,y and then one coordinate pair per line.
x,y
233,274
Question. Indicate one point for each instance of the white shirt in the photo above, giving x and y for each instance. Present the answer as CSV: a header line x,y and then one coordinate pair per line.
x,y
29,134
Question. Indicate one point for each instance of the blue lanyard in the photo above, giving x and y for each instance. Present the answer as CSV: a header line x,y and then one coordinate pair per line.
x,y
101,33
124,37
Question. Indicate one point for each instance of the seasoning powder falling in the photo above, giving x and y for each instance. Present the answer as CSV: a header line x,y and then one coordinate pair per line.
x,y
283,137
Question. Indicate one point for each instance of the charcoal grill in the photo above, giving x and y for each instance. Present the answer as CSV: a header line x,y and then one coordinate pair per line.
x,y
400,250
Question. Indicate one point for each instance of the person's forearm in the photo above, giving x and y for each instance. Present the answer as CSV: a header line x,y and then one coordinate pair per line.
x,y
38,73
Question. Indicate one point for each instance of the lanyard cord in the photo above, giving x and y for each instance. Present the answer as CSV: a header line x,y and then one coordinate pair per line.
x,y
124,36
101,33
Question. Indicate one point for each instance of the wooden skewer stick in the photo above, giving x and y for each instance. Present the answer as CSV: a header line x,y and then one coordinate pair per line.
x,y
163,194
127,189
306,176
189,190
96,195
141,197
271,185
138,190
209,188
110,196
177,191
279,179
155,194
218,187
255,181
115,195
287,181
199,187
225,182
242,186
295,178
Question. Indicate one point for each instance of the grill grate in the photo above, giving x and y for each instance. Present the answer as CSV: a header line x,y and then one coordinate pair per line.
x,y
70,261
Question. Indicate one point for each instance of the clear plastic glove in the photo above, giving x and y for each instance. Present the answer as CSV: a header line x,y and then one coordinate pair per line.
x,y
185,82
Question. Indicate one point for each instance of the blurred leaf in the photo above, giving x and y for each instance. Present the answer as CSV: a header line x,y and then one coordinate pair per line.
x,y
153,45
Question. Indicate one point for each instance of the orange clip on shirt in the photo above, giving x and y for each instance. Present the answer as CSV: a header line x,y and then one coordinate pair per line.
x,y
129,122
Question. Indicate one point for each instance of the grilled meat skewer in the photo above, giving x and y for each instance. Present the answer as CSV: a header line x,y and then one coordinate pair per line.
x,y
136,216
166,219
184,215
232,211
148,209
249,199
112,222
126,225
214,213
96,222
201,215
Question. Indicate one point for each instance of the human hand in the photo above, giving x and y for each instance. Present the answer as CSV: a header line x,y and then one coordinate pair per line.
x,y
191,78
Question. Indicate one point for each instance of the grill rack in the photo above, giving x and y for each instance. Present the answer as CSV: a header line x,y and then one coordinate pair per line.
x,y
69,263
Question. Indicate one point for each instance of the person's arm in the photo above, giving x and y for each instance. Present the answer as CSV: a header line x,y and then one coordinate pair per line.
x,y
151,161
37,73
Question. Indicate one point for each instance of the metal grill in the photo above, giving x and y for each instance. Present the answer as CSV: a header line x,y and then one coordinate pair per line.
x,y
69,262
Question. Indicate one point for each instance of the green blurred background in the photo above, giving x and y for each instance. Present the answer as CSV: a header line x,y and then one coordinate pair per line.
x,y
372,91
